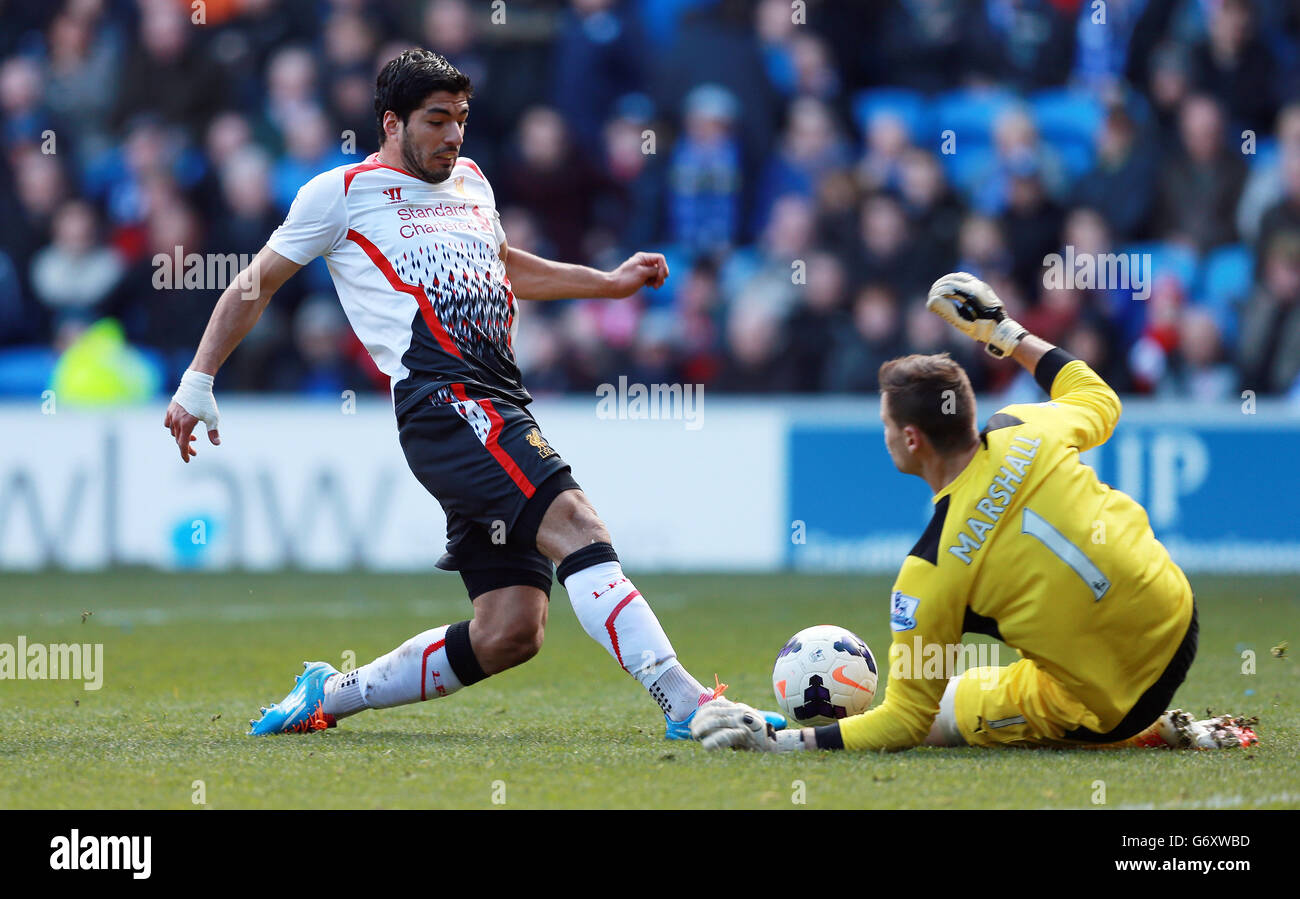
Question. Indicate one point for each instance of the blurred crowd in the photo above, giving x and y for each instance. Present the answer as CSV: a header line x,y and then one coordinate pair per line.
x,y
808,169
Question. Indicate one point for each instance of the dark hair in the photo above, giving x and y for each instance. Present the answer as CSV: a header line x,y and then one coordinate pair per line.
x,y
411,76
919,394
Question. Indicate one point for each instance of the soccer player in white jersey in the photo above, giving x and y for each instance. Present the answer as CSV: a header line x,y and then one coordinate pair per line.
x,y
414,244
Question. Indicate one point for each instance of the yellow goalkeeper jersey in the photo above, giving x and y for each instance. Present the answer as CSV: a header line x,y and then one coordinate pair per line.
x,y
1027,545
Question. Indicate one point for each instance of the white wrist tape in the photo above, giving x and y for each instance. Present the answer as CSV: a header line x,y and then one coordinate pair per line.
x,y
790,740
194,395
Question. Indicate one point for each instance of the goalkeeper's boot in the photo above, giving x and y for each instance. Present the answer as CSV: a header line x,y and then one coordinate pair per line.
x,y
302,711
681,730
1176,729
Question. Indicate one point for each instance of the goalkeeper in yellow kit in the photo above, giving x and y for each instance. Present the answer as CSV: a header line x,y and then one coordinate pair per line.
x,y
1025,545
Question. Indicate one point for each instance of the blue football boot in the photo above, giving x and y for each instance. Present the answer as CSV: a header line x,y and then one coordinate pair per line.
x,y
302,711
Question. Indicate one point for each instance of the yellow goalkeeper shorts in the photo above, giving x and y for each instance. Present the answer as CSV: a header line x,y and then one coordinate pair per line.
x,y
1017,705
1024,705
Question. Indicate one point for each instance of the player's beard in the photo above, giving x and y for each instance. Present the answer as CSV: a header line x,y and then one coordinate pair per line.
x,y
411,161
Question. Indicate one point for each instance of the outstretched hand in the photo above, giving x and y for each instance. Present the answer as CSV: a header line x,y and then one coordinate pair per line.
x,y
195,392
181,424
723,724
640,270
972,307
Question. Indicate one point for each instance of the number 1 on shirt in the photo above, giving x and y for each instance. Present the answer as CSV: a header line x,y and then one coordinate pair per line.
x,y
1037,526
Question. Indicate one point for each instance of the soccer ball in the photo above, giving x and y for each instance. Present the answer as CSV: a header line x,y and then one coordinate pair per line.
x,y
822,674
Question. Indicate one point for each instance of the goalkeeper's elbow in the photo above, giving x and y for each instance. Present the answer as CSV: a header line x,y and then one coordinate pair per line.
x,y
1116,409
1103,398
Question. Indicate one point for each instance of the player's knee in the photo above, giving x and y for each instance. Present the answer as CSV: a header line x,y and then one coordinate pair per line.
x,y
521,645
575,513
516,642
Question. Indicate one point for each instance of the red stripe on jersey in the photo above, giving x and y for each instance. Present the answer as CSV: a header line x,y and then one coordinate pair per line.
x,y
609,625
466,162
372,162
510,307
354,171
426,308
424,662
493,447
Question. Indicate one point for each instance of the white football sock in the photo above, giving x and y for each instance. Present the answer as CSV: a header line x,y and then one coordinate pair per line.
x,y
415,671
343,694
677,693
613,612
945,729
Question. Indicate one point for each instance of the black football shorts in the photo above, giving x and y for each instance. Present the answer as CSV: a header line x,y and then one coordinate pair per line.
x,y
486,462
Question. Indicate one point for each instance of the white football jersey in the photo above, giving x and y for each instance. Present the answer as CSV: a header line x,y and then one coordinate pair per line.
x,y
418,270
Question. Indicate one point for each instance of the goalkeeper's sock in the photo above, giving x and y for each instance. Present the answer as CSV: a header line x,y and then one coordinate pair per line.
x,y
435,663
613,612
1153,737
1176,729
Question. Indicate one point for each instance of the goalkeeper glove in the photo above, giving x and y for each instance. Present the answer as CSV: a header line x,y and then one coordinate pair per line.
x,y
723,724
971,306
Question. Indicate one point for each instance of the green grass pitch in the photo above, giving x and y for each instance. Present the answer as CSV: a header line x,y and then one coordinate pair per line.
x,y
188,658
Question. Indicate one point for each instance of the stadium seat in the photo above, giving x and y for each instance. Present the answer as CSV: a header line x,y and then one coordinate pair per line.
x,y
1226,280
970,114
26,371
1169,259
1076,156
1067,117
908,105
968,166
